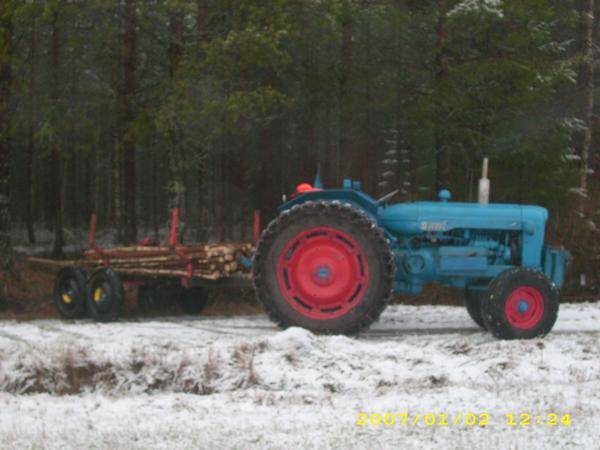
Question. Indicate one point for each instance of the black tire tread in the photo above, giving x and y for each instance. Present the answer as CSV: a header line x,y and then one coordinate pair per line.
x,y
114,312
473,304
491,306
81,278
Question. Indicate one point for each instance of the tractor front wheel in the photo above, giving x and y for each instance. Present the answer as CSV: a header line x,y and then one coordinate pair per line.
x,y
520,303
324,266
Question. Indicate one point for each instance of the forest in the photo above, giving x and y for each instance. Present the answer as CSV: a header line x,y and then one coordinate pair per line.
x,y
220,107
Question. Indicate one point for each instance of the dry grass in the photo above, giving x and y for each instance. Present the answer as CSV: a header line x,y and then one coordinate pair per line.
x,y
243,357
74,371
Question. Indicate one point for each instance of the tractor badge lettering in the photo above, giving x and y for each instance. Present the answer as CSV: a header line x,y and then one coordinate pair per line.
x,y
434,226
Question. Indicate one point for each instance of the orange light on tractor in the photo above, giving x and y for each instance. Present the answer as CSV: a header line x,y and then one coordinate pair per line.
x,y
303,189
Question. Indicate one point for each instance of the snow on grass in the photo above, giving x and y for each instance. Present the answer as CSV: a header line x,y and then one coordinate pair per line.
x,y
242,383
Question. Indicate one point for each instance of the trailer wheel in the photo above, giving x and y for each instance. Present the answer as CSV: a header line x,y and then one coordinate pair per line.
x,y
193,300
70,292
105,296
473,302
324,266
520,303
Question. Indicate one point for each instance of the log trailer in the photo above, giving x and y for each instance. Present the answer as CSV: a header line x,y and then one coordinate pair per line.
x,y
332,259
95,284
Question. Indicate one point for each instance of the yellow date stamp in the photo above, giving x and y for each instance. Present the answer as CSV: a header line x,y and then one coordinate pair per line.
x,y
472,419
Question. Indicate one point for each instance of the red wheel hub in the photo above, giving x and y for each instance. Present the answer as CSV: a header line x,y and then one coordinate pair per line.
x,y
322,273
524,307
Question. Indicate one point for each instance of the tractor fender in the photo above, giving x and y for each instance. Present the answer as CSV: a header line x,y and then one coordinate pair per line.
x,y
358,199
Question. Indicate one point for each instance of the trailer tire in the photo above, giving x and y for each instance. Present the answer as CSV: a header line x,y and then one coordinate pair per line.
x,y
325,266
473,304
70,293
105,296
521,303
192,301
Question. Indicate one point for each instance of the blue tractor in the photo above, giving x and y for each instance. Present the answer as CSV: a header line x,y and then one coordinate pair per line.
x,y
333,257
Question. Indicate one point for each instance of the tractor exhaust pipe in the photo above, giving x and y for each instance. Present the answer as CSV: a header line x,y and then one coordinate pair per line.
x,y
484,184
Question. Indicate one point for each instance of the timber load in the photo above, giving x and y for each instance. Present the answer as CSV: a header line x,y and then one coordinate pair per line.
x,y
209,261
169,260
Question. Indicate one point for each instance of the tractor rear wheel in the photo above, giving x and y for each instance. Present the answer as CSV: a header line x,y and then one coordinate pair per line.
x,y
70,292
324,266
520,303
105,296
473,301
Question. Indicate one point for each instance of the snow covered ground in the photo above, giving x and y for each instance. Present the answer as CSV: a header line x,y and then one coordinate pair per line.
x,y
242,383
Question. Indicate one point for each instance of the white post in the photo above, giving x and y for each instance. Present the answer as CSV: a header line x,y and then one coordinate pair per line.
x,y
484,184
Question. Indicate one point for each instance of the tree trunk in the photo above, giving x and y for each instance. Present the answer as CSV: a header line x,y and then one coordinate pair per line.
x,y
178,188
99,174
201,17
442,154
241,188
154,201
6,37
364,171
88,196
203,183
345,94
128,99
267,171
55,163
589,107
401,155
332,161
176,44
310,157
116,193
31,136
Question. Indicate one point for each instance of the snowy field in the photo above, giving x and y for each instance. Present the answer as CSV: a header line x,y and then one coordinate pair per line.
x,y
241,383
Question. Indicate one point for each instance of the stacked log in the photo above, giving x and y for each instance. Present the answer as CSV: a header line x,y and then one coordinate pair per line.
x,y
210,261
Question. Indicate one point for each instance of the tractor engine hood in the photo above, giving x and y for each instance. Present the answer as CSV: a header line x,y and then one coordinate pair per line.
x,y
422,217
